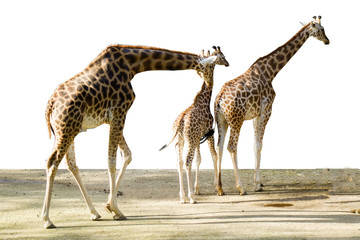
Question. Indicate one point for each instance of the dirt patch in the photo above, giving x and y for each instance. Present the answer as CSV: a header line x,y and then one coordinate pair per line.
x,y
295,204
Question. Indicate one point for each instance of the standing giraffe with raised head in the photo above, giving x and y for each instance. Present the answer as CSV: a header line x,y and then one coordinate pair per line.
x,y
102,93
195,124
251,95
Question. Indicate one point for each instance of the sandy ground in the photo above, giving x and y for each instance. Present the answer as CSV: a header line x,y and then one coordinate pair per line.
x,y
296,204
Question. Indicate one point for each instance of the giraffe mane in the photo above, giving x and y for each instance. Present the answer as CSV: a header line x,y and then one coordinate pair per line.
x,y
147,47
119,46
277,49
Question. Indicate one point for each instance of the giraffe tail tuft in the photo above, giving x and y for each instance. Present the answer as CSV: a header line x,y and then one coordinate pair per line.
x,y
207,135
163,147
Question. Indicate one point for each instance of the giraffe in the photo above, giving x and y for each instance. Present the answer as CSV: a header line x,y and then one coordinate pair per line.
x,y
102,94
251,95
195,125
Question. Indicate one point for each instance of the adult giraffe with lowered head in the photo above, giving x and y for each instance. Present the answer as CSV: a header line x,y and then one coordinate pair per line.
x,y
251,95
102,93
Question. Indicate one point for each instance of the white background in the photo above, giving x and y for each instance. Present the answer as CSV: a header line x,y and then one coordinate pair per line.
x,y
315,120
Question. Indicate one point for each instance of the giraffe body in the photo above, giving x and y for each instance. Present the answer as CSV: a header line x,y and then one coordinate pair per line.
x,y
250,96
102,94
193,124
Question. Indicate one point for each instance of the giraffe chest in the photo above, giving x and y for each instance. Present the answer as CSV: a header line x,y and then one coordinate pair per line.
x,y
91,121
95,119
261,106
252,112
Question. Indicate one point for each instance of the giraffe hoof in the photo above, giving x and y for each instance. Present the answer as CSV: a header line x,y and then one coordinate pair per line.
x,y
220,192
95,217
262,185
243,193
107,207
259,190
49,226
119,217
192,201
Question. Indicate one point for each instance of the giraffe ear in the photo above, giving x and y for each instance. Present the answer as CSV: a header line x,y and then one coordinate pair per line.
x,y
208,60
302,23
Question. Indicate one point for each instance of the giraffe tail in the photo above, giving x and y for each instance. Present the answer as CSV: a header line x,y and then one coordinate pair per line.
x,y
163,147
207,135
166,145
48,112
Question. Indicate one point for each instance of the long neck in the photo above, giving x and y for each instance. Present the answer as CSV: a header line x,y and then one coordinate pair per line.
x,y
130,60
271,64
204,96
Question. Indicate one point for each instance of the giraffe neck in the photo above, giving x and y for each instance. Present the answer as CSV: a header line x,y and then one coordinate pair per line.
x,y
204,96
124,61
271,64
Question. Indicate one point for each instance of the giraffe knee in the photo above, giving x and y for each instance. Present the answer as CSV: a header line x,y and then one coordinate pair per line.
x,y
231,148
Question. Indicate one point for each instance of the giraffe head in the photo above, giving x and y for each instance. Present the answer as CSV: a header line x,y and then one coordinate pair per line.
x,y
221,60
208,62
318,31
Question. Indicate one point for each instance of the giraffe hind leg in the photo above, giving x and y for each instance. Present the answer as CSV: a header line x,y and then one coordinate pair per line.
x,y
232,148
51,169
222,129
115,139
179,149
71,165
198,161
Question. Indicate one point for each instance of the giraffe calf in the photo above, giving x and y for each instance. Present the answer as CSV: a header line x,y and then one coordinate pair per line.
x,y
194,126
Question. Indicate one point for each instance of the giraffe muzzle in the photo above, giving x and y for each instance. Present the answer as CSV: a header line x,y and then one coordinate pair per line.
x,y
326,41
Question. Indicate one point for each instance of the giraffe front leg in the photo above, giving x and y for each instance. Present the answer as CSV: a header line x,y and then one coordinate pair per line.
x,y
258,184
115,138
190,189
198,161
215,160
259,130
190,151
257,152
127,158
